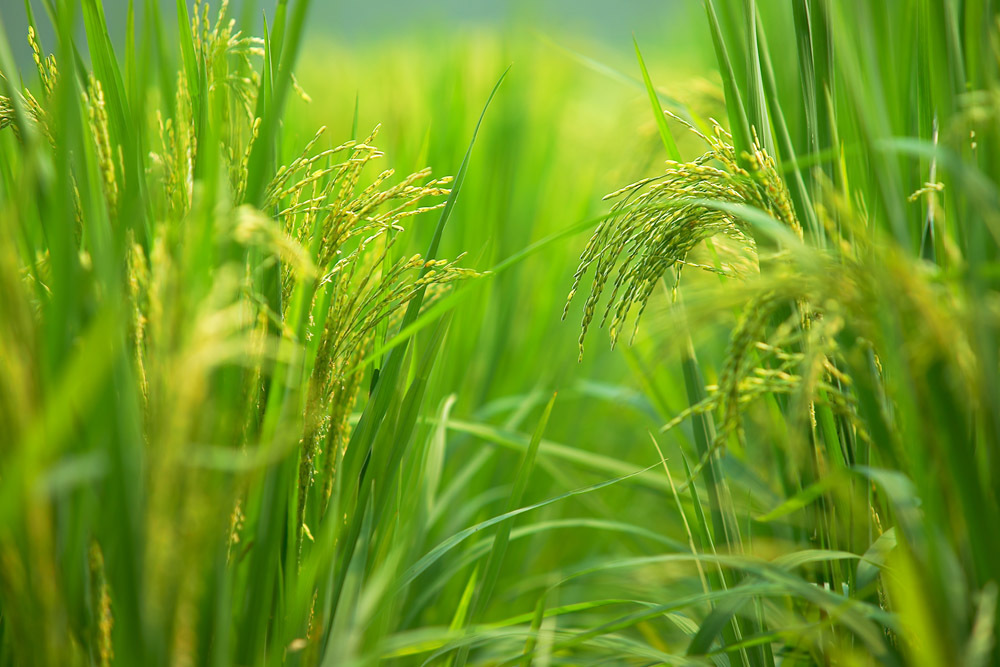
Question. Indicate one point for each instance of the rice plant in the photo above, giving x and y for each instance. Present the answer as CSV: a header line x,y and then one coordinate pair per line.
x,y
186,328
858,379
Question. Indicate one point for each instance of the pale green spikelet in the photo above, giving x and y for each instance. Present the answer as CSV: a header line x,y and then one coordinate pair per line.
x,y
102,607
108,159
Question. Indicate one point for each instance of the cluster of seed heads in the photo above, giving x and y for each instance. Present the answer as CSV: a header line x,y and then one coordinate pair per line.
x,y
654,225
351,232
657,221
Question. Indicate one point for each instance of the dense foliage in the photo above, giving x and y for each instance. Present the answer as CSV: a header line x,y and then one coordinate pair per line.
x,y
248,419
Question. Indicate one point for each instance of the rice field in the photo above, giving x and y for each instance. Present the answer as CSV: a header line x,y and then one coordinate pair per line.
x,y
508,343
